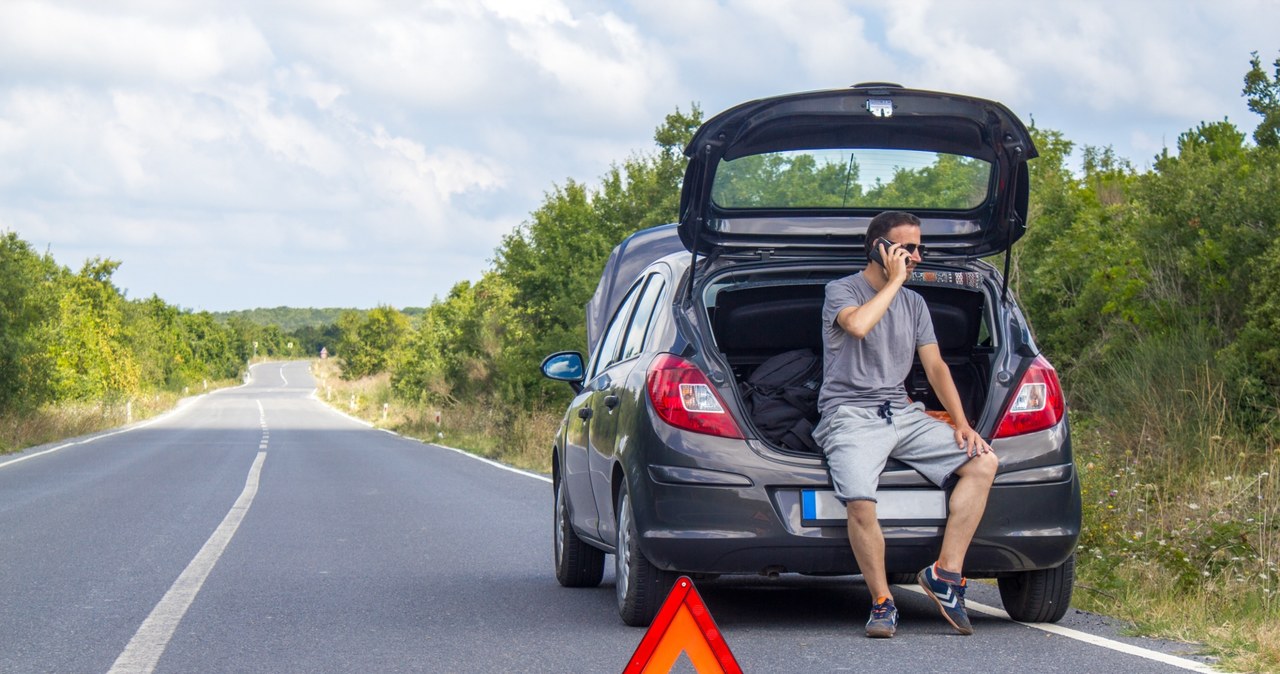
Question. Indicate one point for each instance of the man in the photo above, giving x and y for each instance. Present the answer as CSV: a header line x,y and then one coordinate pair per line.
x,y
871,327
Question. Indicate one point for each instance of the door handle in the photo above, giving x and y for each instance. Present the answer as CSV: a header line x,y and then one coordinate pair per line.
x,y
584,413
611,401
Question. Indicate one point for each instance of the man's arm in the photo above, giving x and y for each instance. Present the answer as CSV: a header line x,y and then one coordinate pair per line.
x,y
858,320
939,375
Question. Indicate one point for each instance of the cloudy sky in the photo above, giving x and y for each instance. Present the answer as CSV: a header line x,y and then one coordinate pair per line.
x,y
237,154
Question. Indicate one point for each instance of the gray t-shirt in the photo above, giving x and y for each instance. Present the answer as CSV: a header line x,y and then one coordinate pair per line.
x,y
867,372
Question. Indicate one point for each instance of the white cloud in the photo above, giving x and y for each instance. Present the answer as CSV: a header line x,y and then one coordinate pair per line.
x,y
327,145
98,42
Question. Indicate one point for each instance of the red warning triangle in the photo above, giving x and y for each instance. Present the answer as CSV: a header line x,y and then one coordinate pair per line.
x,y
683,625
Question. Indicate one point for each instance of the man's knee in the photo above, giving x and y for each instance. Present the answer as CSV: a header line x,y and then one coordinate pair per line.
x,y
862,513
982,467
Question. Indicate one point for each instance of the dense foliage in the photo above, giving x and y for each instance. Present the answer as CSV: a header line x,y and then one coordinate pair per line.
x,y
75,337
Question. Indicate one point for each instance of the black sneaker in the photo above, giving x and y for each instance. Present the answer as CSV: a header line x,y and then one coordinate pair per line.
x,y
948,596
884,620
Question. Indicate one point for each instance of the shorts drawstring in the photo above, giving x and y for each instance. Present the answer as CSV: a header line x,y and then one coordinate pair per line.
x,y
886,412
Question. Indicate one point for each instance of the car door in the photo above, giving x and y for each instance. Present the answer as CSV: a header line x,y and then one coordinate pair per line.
x,y
574,468
621,398
587,406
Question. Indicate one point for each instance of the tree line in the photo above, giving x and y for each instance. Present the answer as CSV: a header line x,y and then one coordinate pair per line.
x,y
73,336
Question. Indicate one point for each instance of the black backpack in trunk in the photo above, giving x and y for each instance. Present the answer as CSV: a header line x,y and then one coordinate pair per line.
x,y
782,398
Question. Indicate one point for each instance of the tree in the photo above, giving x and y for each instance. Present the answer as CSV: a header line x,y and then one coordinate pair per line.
x,y
26,299
1263,95
370,345
87,340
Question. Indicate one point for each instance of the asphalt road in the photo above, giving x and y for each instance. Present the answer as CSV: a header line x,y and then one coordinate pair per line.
x,y
256,530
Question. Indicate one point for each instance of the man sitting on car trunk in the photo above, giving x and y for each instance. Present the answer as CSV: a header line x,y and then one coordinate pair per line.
x,y
871,327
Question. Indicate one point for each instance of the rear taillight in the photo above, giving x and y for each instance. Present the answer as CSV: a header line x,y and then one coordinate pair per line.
x,y
1037,404
684,398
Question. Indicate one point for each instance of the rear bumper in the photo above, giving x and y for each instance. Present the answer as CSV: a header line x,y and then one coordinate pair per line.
x,y
758,529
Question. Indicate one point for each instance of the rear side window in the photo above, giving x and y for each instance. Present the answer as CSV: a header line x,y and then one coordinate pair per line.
x,y
608,354
639,329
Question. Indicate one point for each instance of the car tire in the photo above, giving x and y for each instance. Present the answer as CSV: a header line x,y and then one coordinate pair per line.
x,y
641,586
577,563
907,578
1041,596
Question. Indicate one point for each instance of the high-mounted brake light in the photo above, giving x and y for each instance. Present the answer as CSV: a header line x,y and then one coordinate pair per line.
x,y
1037,405
684,398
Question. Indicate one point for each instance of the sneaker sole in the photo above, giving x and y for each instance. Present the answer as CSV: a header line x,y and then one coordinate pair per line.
x,y
928,592
880,632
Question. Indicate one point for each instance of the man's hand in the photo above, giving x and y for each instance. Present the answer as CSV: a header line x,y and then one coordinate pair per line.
x,y
970,441
896,260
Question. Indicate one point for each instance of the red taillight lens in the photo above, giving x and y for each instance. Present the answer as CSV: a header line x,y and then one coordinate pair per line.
x,y
1037,405
684,398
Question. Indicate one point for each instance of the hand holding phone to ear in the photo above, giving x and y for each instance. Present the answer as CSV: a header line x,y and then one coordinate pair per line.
x,y
891,256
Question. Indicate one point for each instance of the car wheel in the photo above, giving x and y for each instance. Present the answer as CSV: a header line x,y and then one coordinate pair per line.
x,y
641,586
1039,596
577,563
907,578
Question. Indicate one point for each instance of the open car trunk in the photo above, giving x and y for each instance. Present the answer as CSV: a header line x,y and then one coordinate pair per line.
x,y
754,319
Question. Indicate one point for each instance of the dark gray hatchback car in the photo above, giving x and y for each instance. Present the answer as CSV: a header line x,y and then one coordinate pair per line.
x,y
659,461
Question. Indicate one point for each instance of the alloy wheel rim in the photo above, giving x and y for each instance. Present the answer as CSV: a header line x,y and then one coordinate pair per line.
x,y
622,563
561,521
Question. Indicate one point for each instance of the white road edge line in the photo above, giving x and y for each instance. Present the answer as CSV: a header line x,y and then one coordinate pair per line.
x,y
286,381
463,452
139,425
1093,639
143,424
491,462
86,441
149,643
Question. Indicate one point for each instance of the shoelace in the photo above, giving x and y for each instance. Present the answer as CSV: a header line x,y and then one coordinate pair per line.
x,y
881,610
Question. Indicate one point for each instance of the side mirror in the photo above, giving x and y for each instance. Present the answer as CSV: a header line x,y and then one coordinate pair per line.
x,y
565,366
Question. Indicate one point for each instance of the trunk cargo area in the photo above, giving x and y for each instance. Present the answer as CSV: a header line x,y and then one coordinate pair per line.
x,y
757,319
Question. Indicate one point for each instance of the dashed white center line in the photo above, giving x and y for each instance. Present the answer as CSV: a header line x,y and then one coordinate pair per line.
x,y
149,643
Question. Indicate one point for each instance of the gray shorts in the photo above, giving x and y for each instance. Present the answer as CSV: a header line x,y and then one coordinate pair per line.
x,y
858,443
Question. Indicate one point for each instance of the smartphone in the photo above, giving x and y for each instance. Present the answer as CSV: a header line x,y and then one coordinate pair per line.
x,y
874,253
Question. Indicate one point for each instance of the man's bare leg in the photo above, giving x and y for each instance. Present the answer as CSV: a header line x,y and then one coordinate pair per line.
x,y
968,503
867,542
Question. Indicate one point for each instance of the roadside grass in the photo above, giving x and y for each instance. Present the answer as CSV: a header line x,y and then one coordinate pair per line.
x,y
1181,532
1179,557
49,423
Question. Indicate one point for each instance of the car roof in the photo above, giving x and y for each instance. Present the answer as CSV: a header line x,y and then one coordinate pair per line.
x,y
627,260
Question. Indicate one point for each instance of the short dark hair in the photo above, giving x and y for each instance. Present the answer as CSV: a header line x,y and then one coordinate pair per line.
x,y
881,224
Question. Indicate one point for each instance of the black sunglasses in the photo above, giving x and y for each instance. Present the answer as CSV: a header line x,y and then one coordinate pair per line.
x,y
912,248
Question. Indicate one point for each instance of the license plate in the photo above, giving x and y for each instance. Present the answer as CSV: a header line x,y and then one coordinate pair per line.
x,y
820,507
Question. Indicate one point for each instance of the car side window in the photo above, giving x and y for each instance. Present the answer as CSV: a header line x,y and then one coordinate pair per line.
x,y
640,321
608,354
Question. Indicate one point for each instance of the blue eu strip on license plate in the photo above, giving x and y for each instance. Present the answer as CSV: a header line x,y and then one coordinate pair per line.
x,y
820,507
